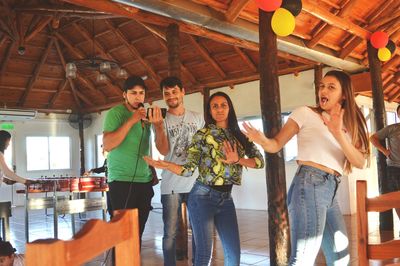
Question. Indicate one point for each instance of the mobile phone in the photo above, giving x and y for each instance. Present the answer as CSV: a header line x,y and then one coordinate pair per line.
x,y
150,110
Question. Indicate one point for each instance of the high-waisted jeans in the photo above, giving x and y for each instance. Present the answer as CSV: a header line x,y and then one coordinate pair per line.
x,y
208,207
315,219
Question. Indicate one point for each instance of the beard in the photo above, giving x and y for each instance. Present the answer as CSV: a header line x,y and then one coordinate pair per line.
x,y
173,104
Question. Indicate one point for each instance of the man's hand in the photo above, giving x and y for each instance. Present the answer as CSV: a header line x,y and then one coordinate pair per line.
x,y
155,117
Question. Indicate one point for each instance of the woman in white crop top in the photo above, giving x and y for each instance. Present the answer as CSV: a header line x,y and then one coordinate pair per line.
x,y
6,175
331,138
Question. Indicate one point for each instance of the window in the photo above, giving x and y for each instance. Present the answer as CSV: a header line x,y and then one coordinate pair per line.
x,y
8,155
48,153
290,149
391,118
99,150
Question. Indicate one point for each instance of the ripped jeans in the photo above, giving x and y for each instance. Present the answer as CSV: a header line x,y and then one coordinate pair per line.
x,y
315,219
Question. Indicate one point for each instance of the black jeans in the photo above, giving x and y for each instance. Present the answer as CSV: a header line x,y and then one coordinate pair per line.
x,y
129,195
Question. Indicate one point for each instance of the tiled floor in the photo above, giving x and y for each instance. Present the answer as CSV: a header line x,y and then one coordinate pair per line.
x,y
253,235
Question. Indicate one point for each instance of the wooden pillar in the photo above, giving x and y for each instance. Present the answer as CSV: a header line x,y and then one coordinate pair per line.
x,y
278,221
174,69
385,218
174,64
81,145
317,80
206,97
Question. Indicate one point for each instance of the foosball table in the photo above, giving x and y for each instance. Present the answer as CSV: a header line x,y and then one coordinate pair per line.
x,y
66,197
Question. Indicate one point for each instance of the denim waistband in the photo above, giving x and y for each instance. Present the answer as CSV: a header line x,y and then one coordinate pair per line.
x,y
212,188
318,171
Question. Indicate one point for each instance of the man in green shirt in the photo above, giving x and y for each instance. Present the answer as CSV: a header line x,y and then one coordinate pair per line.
x,y
126,136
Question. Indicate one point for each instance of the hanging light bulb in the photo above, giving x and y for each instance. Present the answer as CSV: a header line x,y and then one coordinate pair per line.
x,y
122,73
70,70
105,67
101,78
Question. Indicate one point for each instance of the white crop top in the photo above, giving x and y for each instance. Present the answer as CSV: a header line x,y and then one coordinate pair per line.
x,y
314,141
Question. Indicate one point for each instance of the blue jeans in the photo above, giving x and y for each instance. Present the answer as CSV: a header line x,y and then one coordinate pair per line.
x,y
171,216
315,219
209,208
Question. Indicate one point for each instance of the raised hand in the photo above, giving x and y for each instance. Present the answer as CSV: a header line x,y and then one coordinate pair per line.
x,y
139,114
253,134
335,123
231,154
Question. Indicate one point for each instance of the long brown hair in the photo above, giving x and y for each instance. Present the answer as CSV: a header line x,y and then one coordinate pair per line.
x,y
353,119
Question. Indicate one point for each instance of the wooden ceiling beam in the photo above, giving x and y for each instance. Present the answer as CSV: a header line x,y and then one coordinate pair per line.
x,y
134,52
296,58
395,96
312,7
63,63
38,67
206,56
160,35
392,63
234,9
6,29
246,59
60,88
371,18
325,27
6,58
38,28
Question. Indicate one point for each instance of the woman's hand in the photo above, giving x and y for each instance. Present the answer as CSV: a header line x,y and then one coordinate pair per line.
x,y
156,163
231,154
335,123
254,134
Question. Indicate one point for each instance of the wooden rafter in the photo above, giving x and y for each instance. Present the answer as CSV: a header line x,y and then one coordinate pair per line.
x,y
234,9
203,52
161,37
38,67
134,52
37,28
3,39
395,96
392,63
6,29
371,18
6,58
325,27
60,88
312,7
71,83
246,59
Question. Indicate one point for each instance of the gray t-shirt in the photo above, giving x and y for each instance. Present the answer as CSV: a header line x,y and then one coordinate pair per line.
x,y
392,134
180,130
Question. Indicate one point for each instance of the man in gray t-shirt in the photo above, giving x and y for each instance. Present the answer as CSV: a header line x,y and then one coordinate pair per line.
x,y
390,133
180,125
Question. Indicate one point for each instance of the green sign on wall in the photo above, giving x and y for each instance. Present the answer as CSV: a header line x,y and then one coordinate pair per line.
x,y
7,126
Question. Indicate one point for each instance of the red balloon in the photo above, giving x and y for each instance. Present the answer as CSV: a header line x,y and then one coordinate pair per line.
x,y
379,39
269,5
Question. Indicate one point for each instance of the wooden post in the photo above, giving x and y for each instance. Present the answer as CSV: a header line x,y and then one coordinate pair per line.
x,y
278,221
385,218
317,80
81,145
206,97
174,69
174,64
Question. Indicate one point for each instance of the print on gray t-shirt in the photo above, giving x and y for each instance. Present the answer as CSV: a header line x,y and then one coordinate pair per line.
x,y
180,130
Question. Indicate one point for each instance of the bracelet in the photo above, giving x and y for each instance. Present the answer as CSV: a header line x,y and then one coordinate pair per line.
x,y
236,161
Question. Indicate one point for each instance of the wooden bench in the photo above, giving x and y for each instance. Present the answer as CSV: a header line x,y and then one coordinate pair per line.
x,y
384,250
95,237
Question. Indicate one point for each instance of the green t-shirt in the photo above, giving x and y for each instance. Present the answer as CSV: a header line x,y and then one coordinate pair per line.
x,y
122,160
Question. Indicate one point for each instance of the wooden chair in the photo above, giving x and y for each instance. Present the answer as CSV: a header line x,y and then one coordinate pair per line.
x,y
384,250
94,238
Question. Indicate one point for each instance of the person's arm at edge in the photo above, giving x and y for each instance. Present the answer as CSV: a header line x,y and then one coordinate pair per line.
x,y
10,174
377,143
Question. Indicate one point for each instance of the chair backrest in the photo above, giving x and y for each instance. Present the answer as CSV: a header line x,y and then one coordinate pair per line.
x,y
96,236
385,250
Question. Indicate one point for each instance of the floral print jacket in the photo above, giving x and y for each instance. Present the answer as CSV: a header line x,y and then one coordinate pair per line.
x,y
205,152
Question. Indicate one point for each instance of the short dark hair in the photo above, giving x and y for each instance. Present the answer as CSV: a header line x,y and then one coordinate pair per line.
x,y
133,81
170,82
4,136
6,249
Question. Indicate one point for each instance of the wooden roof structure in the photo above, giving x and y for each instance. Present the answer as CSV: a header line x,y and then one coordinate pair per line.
x,y
218,46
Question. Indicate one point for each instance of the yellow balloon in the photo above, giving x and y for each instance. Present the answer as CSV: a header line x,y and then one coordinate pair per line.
x,y
283,22
384,54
